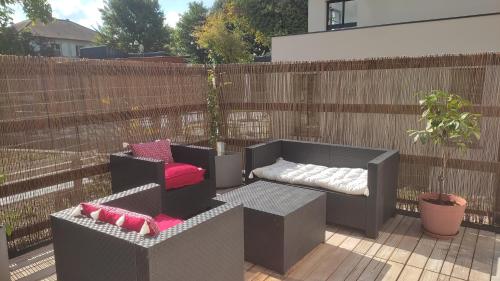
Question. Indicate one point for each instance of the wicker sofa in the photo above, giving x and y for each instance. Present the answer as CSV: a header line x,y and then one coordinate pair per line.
x,y
366,213
128,172
208,246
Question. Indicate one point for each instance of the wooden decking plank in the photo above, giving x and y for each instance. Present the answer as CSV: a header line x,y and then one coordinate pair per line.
x,y
422,252
378,263
400,252
410,273
443,277
428,275
262,275
495,269
269,275
332,260
39,275
247,265
50,278
330,230
367,257
356,260
31,257
390,271
408,244
395,239
463,263
253,272
300,273
39,265
438,256
483,257
388,228
451,256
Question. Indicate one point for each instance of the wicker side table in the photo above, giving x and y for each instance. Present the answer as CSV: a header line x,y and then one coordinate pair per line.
x,y
228,169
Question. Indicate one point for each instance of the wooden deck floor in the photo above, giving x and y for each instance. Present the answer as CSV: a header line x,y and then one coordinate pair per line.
x,y
401,252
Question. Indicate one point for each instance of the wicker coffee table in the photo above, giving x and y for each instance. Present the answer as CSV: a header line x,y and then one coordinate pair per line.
x,y
282,223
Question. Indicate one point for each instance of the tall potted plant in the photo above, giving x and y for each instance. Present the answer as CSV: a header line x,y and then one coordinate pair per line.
x,y
449,126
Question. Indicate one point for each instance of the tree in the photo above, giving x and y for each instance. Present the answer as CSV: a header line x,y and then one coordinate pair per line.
x,y
185,42
127,24
15,43
218,5
275,17
34,10
228,37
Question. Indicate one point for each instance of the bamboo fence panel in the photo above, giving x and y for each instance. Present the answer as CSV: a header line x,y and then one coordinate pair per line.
x,y
60,120
372,103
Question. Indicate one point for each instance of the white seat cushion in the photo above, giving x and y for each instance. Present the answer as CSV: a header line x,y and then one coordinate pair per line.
x,y
345,180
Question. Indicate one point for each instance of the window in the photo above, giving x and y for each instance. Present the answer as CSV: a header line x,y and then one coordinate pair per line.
x,y
56,49
78,47
341,14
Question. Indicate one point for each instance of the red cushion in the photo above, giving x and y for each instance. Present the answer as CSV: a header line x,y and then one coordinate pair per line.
x,y
88,208
165,222
159,150
178,175
133,221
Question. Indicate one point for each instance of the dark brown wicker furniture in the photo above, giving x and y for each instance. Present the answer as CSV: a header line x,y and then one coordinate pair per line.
x,y
208,246
357,211
282,223
128,172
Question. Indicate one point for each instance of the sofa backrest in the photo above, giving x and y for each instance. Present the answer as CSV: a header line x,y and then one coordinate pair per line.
x,y
330,155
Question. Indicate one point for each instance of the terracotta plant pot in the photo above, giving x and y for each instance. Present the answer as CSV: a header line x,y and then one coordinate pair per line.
x,y
441,221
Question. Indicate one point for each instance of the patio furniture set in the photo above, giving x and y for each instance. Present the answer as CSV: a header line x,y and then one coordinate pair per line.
x,y
164,220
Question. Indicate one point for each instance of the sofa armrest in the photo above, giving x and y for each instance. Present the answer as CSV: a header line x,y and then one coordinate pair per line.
x,y
128,171
199,156
144,199
382,184
260,155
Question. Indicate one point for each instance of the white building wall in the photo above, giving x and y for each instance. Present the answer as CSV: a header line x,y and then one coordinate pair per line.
x,y
68,47
376,12
452,36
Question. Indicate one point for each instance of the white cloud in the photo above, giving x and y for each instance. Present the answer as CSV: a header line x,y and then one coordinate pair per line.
x,y
84,12
172,18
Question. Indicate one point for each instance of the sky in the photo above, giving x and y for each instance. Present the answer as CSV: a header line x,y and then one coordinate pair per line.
x,y
86,12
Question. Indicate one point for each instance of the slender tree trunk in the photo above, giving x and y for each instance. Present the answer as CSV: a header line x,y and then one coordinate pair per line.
x,y
443,175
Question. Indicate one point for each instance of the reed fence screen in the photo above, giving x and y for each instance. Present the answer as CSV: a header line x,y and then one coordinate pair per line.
x,y
372,103
60,120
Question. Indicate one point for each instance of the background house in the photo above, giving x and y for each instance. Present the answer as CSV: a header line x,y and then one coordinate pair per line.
x,y
356,29
62,38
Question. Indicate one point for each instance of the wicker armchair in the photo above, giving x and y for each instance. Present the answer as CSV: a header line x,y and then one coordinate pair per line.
x,y
208,246
128,172
357,211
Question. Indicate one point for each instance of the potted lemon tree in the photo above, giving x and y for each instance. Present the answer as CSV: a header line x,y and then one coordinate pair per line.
x,y
449,126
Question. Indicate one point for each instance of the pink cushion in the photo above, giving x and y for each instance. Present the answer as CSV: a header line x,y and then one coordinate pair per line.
x,y
165,222
178,175
159,150
133,221
88,208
